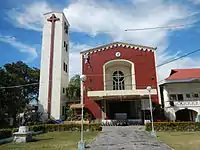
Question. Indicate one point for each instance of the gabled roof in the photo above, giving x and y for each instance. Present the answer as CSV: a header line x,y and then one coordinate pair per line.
x,y
118,44
184,74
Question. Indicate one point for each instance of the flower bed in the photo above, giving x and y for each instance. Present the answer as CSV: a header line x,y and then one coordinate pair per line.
x,y
5,133
174,126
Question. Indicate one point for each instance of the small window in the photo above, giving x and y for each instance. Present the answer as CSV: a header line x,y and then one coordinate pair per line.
x,y
180,97
63,90
195,95
172,97
64,65
66,47
66,28
64,44
187,95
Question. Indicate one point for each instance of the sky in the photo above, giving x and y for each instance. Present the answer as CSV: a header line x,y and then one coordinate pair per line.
x,y
98,22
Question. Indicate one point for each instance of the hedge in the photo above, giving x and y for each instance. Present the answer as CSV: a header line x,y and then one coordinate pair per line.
x,y
5,133
174,126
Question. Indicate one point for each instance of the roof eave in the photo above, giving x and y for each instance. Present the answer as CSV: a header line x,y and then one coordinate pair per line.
x,y
106,45
181,80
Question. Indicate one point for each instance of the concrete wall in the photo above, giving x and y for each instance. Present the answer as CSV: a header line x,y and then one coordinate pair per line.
x,y
59,77
144,66
137,64
187,103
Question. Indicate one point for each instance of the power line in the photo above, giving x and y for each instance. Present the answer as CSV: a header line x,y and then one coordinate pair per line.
x,y
179,57
16,86
166,63
163,27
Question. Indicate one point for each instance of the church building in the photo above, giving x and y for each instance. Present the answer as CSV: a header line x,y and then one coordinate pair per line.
x,y
117,75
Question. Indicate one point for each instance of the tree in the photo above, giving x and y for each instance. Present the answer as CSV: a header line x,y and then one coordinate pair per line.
x,y
73,90
14,99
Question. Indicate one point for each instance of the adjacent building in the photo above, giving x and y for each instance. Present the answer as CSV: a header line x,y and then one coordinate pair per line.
x,y
180,95
117,76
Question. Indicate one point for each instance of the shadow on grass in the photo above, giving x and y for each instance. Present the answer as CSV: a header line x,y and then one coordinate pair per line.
x,y
37,140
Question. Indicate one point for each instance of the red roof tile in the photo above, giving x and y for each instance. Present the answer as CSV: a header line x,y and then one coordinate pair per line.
x,y
180,74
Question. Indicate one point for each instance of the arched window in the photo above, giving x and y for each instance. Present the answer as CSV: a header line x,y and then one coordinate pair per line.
x,y
118,80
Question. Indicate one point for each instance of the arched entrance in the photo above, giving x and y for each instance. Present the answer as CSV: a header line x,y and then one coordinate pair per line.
x,y
186,115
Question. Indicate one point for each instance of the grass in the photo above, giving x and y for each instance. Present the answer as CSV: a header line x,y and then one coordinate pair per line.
x,y
52,141
181,140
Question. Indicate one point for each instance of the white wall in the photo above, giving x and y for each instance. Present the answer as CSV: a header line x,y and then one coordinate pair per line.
x,y
59,77
126,67
180,88
109,76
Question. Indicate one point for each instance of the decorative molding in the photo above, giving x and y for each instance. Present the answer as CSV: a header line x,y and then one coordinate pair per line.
x,y
140,48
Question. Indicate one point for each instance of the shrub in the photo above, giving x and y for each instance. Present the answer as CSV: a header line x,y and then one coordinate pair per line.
x,y
65,127
174,126
5,133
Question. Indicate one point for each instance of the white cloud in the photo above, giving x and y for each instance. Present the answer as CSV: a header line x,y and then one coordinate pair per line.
x,y
20,46
109,18
195,1
75,57
30,16
104,17
99,17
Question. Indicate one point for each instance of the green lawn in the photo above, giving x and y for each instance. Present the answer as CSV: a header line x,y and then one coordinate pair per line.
x,y
181,140
52,141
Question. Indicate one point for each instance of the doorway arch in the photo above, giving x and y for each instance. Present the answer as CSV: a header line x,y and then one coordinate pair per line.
x,y
186,115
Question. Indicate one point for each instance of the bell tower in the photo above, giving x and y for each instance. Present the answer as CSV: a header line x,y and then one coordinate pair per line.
x,y
54,66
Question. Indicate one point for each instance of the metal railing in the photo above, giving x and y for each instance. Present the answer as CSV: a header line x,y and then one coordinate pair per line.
x,y
187,103
126,86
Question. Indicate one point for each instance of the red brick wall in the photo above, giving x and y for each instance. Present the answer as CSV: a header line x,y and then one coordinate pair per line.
x,y
143,61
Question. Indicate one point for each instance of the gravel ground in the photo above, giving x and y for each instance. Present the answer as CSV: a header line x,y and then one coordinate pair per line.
x,y
126,138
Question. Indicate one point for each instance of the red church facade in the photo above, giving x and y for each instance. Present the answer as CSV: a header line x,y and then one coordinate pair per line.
x,y
117,77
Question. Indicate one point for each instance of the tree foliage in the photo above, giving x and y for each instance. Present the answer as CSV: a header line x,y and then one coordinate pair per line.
x,y
14,99
73,90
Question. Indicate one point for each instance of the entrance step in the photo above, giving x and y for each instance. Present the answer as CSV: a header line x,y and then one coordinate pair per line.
x,y
121,122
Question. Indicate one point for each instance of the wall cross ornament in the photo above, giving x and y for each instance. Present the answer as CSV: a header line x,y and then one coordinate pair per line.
x,y
53,20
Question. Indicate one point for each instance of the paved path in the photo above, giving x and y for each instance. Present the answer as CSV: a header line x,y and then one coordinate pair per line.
x,y
126,138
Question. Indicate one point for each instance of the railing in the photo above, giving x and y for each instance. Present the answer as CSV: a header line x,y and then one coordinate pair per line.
x,y
123,122
110,86
187,103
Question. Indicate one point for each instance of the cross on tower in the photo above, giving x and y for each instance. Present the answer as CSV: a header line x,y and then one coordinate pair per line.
x,y
52,19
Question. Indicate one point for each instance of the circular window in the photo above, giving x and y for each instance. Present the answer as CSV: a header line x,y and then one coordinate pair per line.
x,y
117,54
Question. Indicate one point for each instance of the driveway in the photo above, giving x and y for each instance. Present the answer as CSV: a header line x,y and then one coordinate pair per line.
x,y
126,138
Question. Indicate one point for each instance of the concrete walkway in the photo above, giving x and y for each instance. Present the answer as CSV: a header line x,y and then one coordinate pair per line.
x,y
126,138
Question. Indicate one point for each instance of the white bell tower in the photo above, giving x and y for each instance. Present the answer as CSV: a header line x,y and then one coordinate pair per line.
x,y
54,66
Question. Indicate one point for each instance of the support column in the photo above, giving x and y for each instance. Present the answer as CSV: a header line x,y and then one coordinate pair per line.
x,y
102,108
105,109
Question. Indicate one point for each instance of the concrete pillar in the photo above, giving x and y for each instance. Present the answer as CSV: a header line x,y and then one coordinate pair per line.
x,y
105,108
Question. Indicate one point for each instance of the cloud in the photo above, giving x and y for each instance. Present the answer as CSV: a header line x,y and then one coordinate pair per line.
x,y
195,1
103,17
75,57
30,16
111,19
20,46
